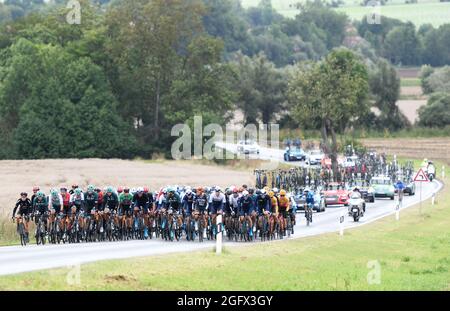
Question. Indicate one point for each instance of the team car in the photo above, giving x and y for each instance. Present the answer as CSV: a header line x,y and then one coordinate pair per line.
x,y
294,154
383,187
247,147
335,194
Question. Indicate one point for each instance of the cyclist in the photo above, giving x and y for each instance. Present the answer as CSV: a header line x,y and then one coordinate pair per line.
x,y
246,206
234,201
40,207
216,203
125,202
400,186
141,200
309,199
172,201
66,199
188,202
24,210
110,199
273,203
55,201
99,197
35,191
283,208
77,200
90,199
201,201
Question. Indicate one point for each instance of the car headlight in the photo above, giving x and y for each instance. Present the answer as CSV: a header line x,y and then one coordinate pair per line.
x,y
370,190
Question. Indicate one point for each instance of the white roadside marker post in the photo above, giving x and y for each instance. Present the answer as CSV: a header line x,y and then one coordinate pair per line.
x,y
433,198
397,210
219,235
341,224
443,171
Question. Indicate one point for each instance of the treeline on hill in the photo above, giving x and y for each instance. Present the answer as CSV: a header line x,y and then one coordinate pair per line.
x,y
115,85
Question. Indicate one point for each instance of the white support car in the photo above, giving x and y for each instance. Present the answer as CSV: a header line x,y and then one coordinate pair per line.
x,y
315,157
247,147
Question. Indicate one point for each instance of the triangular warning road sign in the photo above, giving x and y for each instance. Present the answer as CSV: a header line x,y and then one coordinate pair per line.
x,y
421,176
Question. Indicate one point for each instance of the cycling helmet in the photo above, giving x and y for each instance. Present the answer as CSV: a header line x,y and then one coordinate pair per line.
x,y
78,191
251,190
188,191
217,189
23,194
264,191
200,189
74,186
126,190
271,194
146,190
90,188
54,192
63,189
140,190
109,189
282,192
258,191
171,189
36,189
120,190
235,190
40,194
275,190
245,193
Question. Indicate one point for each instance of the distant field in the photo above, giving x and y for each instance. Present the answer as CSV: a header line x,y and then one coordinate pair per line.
x,y
425,11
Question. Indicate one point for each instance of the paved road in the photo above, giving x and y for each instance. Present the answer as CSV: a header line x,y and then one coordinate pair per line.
x,y
16,259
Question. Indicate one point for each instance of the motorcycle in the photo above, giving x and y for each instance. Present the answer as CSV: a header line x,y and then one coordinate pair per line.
x,y
356,207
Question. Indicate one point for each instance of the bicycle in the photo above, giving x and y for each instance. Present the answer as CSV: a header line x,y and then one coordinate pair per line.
x,y
41,231
308,214
21,230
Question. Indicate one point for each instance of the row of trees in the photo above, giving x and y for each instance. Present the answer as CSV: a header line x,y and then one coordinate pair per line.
x,y
310,35
115,85
402,44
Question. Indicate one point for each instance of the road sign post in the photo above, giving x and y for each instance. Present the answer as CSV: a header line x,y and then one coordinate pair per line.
x,y
421,177
219,234
341,223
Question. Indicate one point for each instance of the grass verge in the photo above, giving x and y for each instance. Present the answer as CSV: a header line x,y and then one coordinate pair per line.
x,y
410,254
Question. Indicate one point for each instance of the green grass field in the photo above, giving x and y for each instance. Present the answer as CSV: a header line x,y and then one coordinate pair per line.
x,y
425,11
410,82
410,254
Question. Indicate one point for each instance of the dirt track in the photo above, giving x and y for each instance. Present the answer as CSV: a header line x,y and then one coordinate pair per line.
x,y
20,176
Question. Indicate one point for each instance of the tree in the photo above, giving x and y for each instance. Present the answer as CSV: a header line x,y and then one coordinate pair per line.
x,y
385,88
261,88
436,80
402,46
332,94
436,113
57,105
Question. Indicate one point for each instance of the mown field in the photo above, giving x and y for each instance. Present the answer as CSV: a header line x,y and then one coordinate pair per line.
x,y
423,12
409,254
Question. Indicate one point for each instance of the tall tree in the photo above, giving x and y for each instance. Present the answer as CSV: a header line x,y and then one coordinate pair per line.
x,y
332,93
261,88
